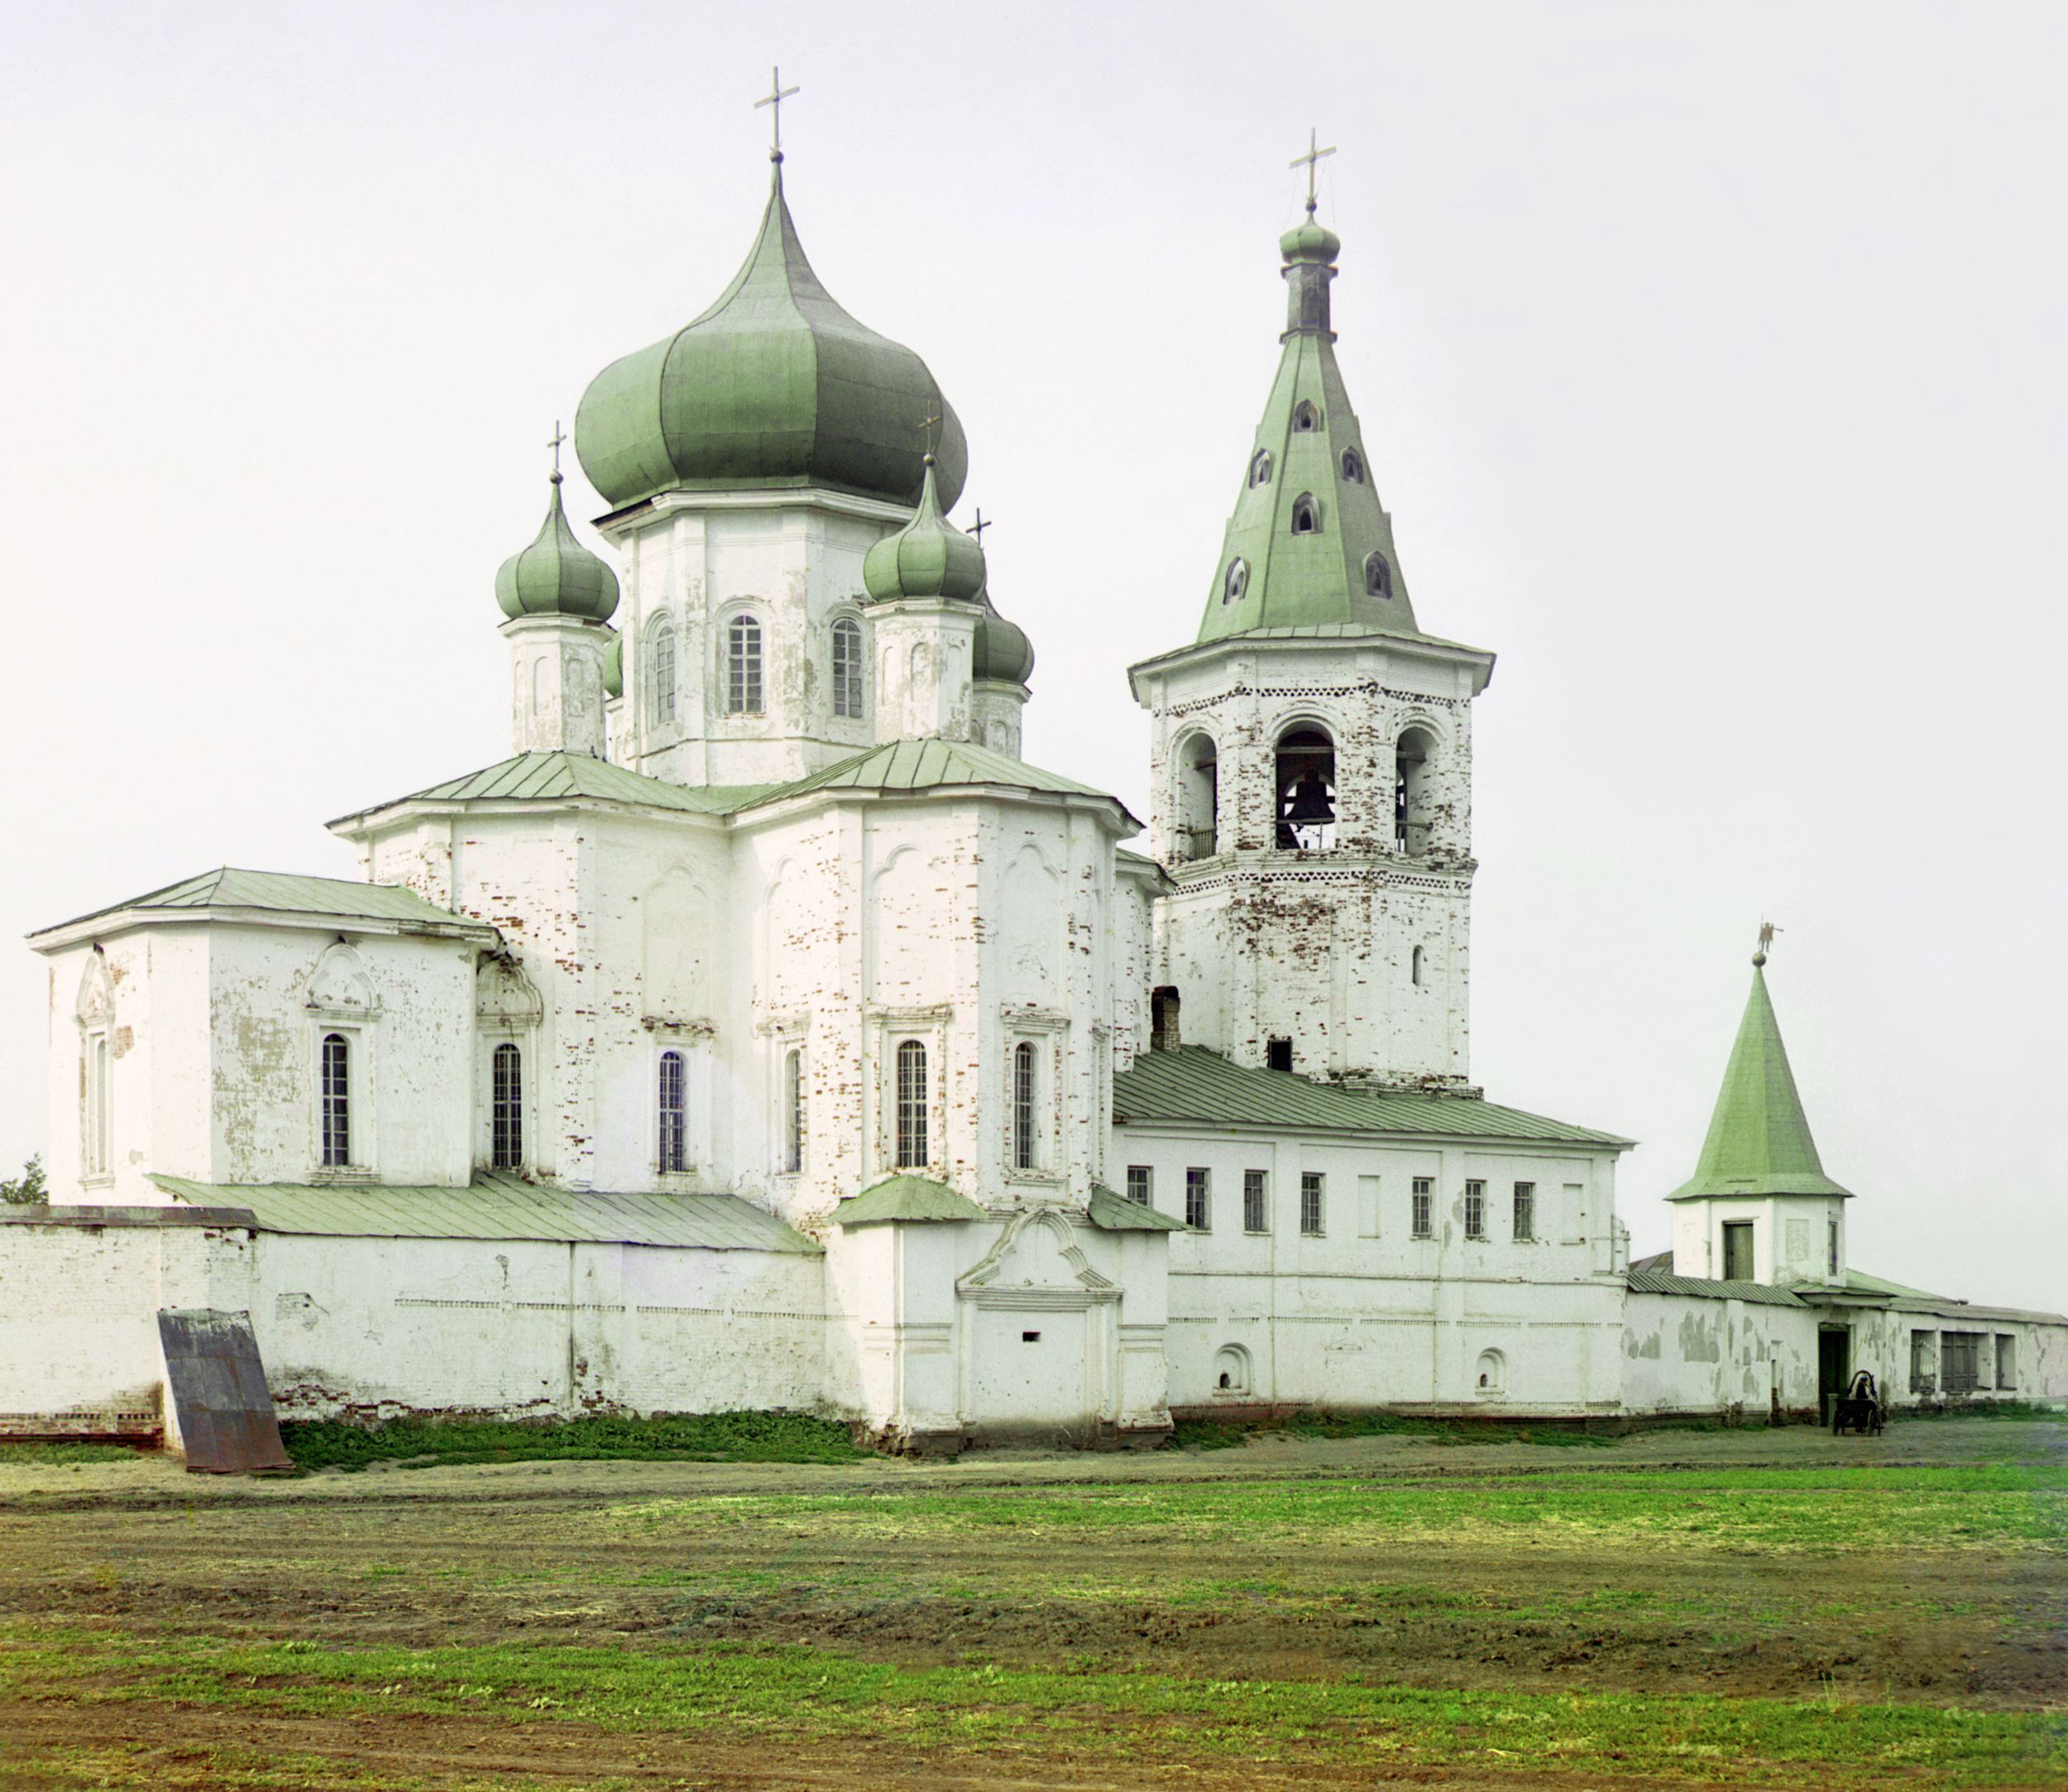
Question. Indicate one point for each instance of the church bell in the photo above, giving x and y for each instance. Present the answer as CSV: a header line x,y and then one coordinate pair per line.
x,y
1310,801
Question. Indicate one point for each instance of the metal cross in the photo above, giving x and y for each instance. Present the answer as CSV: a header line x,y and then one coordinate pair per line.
x,y
978,526
927,424
1308,162
559,435
778,93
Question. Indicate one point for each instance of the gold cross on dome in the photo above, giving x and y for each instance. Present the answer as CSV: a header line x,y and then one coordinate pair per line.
x,y
1308,162
778,93
559,435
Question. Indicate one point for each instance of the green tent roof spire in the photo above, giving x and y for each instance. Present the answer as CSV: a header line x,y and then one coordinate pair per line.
x,y
1759,1141
1309,546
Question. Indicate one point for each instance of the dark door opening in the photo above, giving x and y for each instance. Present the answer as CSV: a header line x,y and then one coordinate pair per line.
x,y
1833,1362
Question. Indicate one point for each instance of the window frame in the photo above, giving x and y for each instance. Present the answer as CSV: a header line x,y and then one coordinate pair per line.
x,y
847,662
795,1128
1235,581
1524,1214
1476,1209
1306,516
912,1112
1024,1097
672,1155
744,665
1199,1197
664,678
1733,1232
97,1154
1141,1185
1256,1202
1352,464
506,1106
1313,1192
1378,576
1421,1211
1261,468
334,1130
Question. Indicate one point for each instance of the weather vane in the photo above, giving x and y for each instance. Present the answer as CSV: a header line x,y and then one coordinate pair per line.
x,y
1308,162
1767,931
559,435
778,93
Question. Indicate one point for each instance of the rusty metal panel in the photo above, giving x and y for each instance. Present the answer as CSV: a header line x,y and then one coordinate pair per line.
x,y
216,1392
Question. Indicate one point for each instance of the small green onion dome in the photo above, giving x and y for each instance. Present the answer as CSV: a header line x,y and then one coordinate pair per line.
x,y
928,557
556,576
614,666
1310,242
1003,651
775,386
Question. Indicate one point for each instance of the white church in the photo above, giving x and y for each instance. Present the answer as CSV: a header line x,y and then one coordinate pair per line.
x,y
766,1032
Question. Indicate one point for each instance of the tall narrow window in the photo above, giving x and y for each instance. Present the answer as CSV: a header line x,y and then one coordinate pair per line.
x,y
1259,468
1255,1202
1422,1217
1306,517
673,1154
506,1109
1414,800
1141,1184
95,1118
792,1111
1306,776
1830,1243
1023,1106
1305,417
1235,581
1378,576
912,1105
660,675
1199,798
1525,1211
743,667
1311,1191
1475,1210
336,1101
1163,1020
1353,466
1198,1199
1415,967
847,669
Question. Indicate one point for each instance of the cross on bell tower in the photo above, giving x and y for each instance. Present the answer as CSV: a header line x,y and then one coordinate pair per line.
x,y
776,93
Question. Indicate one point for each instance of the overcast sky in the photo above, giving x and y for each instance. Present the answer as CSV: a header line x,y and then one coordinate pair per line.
x,y
1713,361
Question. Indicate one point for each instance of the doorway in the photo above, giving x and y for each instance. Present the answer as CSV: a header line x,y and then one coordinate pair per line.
x,y
1833,1362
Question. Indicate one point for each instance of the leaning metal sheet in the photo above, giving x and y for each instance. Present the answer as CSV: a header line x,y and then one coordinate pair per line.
x,y
215,1385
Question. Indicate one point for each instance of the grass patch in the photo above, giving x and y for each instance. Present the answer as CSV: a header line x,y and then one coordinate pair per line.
x,y
1316,1422
803,1695
602,1437
17,1453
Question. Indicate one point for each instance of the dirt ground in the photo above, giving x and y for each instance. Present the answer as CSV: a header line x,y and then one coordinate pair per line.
x,y
439,1556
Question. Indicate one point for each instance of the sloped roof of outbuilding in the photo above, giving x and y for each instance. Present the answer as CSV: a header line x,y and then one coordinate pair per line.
x,y
555,777
1665,1281
930,765
285,893
905,1197
498,1207
1193,1085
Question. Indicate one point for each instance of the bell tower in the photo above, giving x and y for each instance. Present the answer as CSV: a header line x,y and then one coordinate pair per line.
x,y
1311,758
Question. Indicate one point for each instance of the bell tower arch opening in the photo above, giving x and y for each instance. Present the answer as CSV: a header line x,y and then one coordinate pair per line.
x,y
1305,785
1199,798
1414,804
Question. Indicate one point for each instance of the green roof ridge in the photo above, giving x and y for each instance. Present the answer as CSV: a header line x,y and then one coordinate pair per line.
x,y
905,1197
927,763
284,893
1759,1141
554,776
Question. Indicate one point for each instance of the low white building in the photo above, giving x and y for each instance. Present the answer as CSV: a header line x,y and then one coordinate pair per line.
x,y
766,1032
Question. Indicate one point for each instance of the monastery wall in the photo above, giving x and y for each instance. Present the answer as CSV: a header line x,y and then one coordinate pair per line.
x,y
1692,1355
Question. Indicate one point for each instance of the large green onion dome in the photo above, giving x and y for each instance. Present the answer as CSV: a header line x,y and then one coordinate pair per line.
x,y
556,576
928,557
775,386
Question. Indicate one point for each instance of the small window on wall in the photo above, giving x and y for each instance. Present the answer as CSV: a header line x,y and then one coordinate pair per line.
x,y
1830,1249
1163,1020
1306,515
1378,576
1142,1183
93,1119
1353,466
672,1153
1024,1073
1278,1055
1415,967
847,669
1259,468
1491,1375
792,1111
1421,1214
1525,1212
1255,1202
506,1108
1475,1210
1305,417
743,667
912,1117
1198,1199
1235,581
1737,1251
1311,1191
1231,1370
336,1126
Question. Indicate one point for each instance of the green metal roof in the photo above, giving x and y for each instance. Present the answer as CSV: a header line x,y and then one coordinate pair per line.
x,y
1115,1213
905,1197
556,777
498,1207
931,764
556,575
1194,1086
1759,1141
288,893
1318,472
773,385
1859,1281
1665,1281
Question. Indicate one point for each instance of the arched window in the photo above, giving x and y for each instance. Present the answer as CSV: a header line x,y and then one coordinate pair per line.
x,y
1305,417
660,675
336,1101
672,1153
1237,581
506,1108
1492,1375
847,669
1353,466
1306,790
1259,468
1413,804
1023,1105
1306,517
743,667
1199,798
792,1111
912,1105
1415,967
1378,576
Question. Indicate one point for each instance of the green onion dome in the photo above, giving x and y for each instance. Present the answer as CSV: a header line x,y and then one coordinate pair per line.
x,y
775,386
1003,650
614,666
556,576
1310,242
928,557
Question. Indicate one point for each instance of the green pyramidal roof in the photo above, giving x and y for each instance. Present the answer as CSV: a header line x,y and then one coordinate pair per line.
x,y
1309,546
775,386
1759,1141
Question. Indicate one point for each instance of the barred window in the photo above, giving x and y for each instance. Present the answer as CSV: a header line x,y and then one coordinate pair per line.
x,y
847,669
1525,1210
1023,1105
1255,1202
1142,1183
1475,1210
1311,1191
792,1111
1423,1199
743,667
336,1101
673,1154
660,674
912,1105
506,1108
1198,1199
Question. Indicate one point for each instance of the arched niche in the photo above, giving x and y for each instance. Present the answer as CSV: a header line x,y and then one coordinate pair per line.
x,y
339,986
94,1005
506,1004
1199,796
1231,1373
1489,1375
